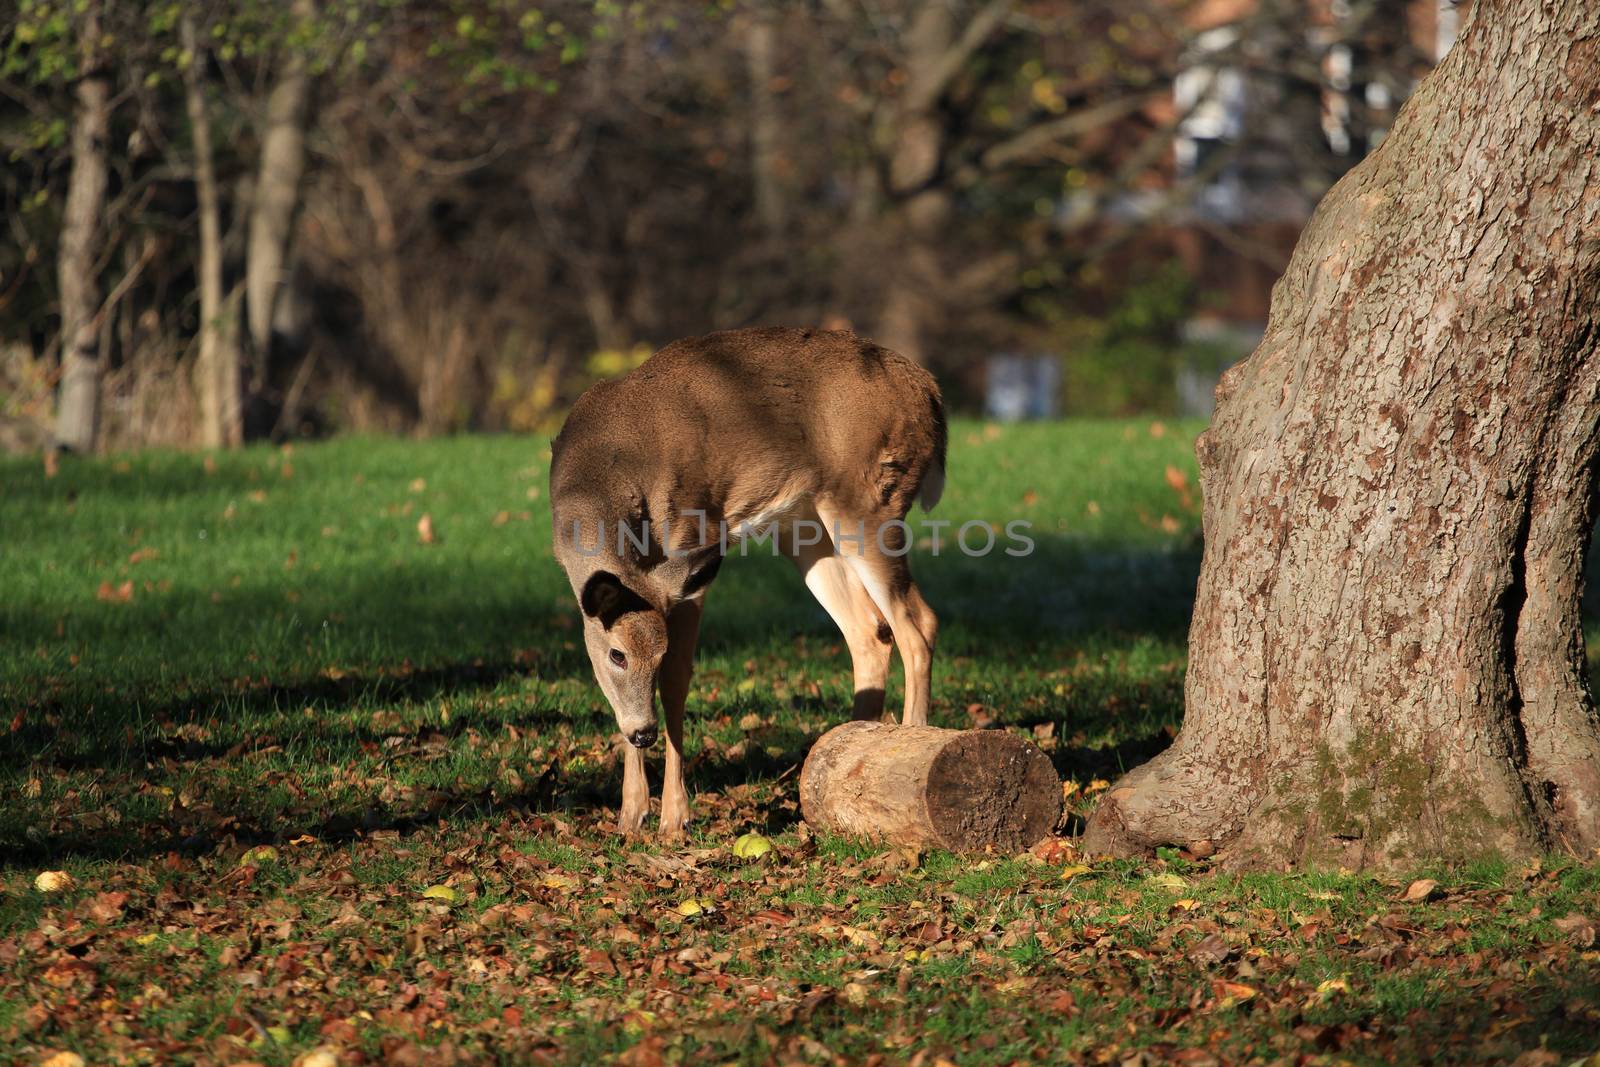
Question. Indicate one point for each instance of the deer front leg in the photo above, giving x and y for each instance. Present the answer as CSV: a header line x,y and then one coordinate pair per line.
x,y
635,791
677,668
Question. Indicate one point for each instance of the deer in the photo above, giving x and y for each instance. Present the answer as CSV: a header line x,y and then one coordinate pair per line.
x,y
819,439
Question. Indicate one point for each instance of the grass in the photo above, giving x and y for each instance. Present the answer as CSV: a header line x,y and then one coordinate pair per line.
x,y
200,655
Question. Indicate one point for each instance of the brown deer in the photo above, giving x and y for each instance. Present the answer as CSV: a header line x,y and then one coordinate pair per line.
x,y
819,437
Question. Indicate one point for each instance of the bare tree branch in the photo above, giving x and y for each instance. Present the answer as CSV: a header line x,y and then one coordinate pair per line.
x,y
937,78
1035,139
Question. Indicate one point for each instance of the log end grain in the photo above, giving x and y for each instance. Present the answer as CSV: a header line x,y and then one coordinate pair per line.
x,y
988,788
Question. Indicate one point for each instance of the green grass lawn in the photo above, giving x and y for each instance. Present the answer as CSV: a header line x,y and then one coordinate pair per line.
x,y
201,657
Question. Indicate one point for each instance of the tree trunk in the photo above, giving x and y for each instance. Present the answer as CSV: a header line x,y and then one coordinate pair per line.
x,y
277,193
82,231
217,369
940,40
1386,658
766,129
923,207
963,790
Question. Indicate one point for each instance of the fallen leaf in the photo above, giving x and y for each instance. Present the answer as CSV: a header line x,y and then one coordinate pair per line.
x,y
1213,949
62,1059
107,907
1421,889
693,906
321,1056
1537,1057
255,857
425,532
864,939
1326,989
1075,870
1230,994
441,893
647,1053
1167,880
1579,929
115,594
1054,850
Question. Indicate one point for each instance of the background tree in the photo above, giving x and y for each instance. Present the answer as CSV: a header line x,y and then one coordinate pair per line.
x,y
276,195
980,111
1386,659
83,228
434,216
217,367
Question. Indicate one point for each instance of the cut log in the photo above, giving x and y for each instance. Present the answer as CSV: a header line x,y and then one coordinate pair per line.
x,y
962,790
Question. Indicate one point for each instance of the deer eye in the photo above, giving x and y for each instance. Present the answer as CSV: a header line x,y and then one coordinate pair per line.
x,y
619,659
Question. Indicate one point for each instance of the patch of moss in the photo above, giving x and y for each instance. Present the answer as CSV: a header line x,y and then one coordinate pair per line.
x,y
1389,797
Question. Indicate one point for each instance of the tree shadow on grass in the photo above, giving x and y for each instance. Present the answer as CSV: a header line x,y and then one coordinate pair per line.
x,y
152,474
590,791
316,695
152,665
239,665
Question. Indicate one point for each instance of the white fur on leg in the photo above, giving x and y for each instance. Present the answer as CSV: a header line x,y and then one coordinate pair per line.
x,y
635,791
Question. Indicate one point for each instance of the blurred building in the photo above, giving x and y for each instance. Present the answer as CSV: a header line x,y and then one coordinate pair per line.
x,y
1269,111
1020,386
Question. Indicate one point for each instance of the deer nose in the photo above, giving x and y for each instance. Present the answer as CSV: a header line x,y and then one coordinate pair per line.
x,y
643,738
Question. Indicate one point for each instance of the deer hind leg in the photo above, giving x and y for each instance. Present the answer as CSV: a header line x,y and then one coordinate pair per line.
x,y
878,560
867,635
677,668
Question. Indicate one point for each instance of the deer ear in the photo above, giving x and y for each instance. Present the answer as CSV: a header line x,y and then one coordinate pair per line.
x,y
701,576
601,595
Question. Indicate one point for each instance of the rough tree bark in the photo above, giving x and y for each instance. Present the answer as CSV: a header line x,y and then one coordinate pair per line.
x,y
1386,660
217,369
277,193
82,231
